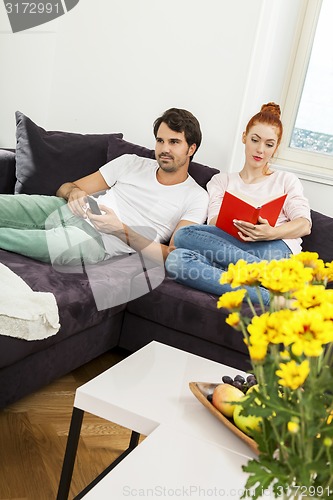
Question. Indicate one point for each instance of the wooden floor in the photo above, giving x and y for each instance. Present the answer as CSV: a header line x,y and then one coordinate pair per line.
x,y
33,436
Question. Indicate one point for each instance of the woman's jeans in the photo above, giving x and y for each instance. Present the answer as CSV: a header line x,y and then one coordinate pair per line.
x,y
43,228
203,253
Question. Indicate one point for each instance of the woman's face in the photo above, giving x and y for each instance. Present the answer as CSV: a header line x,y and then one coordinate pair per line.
x,y
260,145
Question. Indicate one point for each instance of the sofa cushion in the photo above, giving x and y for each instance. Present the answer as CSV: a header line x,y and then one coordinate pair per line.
x,y
118,146
190,311
75,293
320,239
7,171
47,159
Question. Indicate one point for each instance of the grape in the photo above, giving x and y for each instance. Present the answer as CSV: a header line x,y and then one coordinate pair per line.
x,y
239,378
251,383
210,397
238,384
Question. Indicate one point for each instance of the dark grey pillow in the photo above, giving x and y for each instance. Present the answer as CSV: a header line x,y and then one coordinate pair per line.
x,y
47,159
7,171
118,146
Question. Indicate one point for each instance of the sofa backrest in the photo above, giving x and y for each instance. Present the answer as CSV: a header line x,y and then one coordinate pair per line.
x,y
46,159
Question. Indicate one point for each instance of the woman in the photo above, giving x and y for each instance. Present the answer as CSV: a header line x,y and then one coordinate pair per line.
x,y
203,252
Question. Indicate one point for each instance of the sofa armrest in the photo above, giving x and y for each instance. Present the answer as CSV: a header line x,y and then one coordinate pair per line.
x,y
320,239
7,171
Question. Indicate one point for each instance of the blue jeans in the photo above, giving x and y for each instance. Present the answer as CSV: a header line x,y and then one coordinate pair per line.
x,y
203,253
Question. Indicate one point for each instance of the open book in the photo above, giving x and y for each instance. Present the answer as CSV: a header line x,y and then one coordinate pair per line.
x,y
236,207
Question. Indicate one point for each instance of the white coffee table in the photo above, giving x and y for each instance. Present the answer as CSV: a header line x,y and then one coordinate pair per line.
x,y
173,464
145,390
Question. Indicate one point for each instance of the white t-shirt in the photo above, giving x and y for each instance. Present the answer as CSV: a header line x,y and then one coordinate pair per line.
x,y
276,184
147,206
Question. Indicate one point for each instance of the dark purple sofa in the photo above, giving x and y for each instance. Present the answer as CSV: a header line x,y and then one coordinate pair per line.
x,y
171,313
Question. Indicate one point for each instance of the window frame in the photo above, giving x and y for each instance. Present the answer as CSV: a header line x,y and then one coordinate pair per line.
x,y
307,165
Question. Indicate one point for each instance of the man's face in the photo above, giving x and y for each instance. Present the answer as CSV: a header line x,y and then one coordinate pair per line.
x,y
172,151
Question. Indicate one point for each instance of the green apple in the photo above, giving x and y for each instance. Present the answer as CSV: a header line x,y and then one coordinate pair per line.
x,y
254,388
223,396
246,424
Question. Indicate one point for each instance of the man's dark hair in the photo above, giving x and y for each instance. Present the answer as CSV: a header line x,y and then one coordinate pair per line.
x,y
181,120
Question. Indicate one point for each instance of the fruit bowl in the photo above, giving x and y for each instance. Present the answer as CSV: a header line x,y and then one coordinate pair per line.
x,y
201,390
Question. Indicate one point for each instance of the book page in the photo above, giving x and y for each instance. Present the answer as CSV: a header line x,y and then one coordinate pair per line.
x,y
255,203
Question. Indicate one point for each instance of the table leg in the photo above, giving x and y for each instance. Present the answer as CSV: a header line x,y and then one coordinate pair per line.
x,y
70,454
134,441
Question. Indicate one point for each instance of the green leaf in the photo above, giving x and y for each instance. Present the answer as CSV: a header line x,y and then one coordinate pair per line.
x,y
263,473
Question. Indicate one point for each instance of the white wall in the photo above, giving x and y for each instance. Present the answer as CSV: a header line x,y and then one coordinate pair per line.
x,y
319,196
111,66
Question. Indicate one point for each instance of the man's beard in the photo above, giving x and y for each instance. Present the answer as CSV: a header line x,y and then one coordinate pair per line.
x,y
171,166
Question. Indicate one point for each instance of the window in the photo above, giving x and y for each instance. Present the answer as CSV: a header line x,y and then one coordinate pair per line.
x,y
307,147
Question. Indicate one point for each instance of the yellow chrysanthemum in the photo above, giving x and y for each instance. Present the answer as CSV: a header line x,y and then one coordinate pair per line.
x,y
329,271
258,351
293,375
258,339
278,331
273,327
310,296
321,272
232,300
326,308
242,273
311,331
286,275
233,270
308,259
258,325
285,355
234,320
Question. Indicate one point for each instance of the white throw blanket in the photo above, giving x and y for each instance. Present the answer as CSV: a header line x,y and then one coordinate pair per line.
x,y
24,313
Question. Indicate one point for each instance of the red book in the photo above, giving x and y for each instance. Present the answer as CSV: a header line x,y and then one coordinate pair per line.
x,y
233,207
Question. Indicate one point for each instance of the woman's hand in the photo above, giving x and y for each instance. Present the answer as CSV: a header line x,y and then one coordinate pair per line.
x,y
262,231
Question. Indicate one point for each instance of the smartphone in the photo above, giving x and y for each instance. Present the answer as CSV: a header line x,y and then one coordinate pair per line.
x,y
93,205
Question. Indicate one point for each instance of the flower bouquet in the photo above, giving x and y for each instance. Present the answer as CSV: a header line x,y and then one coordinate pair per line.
x,y
290,347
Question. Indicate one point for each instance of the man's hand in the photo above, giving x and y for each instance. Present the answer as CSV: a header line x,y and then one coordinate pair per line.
x,y
75,197
75,192
108,222
77,202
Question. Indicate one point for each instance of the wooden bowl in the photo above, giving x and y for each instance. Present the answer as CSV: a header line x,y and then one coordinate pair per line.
x,y
201,390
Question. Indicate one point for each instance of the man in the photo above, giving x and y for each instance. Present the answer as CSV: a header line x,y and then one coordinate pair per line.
x,y
144,203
